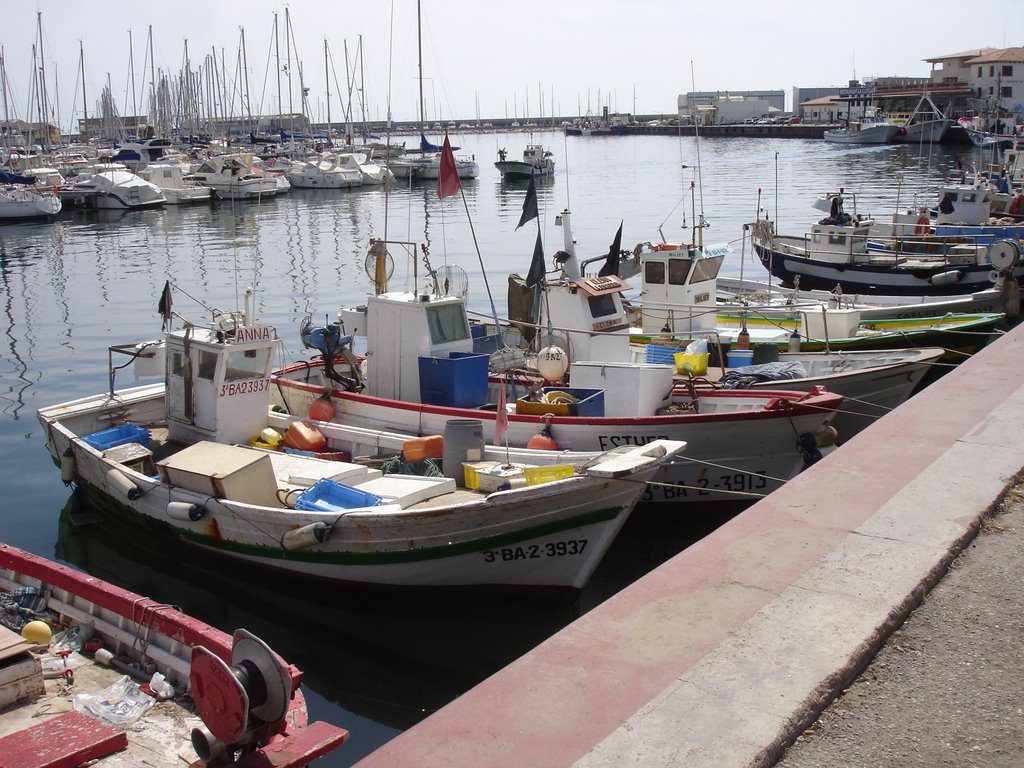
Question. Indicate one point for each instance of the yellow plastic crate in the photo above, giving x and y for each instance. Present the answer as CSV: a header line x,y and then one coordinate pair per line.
x,y
696,365
538,475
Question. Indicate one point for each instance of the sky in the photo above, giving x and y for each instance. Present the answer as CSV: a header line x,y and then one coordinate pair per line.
x,y
521,60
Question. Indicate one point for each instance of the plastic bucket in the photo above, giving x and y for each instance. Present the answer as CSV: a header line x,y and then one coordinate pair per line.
x,y
463,441
739,358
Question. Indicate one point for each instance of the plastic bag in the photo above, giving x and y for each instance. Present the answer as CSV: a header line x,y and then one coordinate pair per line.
x,y
121,704
697,347
160,687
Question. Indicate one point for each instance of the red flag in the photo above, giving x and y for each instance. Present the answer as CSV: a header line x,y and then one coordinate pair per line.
x,y
448,176
501,423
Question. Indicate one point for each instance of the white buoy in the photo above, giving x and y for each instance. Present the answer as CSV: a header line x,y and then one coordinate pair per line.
x,y
118,482
306,536
946,278
552,363
183,510
67,465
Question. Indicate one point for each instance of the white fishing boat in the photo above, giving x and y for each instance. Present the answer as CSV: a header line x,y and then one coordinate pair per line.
x,y
425,366
371,172
959,251
96,675
679,305
872,128
536,162
177,187
190,458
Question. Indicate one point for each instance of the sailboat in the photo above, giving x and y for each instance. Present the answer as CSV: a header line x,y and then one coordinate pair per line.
x,y
425,162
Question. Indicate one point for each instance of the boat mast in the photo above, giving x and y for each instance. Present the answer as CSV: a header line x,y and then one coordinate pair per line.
x,y
131,78
85,101
327,77
277,55
419,56
42,85
362,87
7,116
245,75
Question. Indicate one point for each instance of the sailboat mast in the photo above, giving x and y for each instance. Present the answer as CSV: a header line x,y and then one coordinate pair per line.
x,y
3,87
362,86
419,56
131,77
42,85
327,77
245,74
85,100
154,116
277,55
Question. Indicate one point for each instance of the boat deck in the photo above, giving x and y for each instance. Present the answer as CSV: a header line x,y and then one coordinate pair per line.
x,y
158,738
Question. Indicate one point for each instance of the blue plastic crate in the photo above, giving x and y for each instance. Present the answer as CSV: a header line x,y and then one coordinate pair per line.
x,y
111,438
457,381
326,495
660,354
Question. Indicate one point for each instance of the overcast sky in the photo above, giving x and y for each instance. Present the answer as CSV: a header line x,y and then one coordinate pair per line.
x,y
524,60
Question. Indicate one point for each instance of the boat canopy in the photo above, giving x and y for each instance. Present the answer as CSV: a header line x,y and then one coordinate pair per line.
x,y
6,177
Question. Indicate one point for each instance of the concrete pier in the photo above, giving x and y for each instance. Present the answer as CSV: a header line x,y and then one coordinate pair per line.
x,y
721,656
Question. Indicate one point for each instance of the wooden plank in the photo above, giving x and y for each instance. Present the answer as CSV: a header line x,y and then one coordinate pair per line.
x,y
297,748
65,741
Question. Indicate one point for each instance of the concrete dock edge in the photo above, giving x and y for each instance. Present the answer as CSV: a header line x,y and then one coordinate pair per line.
x,y
721,656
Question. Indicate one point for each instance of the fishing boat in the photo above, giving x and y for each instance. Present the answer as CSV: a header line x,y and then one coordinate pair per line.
x,y
588,317
872,128
425,365
911,255
94,674
193,457
536,162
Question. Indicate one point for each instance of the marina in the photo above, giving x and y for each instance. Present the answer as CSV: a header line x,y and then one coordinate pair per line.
x,y
77,282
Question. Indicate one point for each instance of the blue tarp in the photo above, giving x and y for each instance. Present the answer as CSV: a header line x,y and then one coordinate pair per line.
x,y
6,177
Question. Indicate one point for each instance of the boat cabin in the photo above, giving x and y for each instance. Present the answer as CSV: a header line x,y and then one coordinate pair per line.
x,y
680,286
218,380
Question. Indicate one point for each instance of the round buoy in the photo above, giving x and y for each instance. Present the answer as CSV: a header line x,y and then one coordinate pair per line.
x,y
37,632
321,409
552,363
543,441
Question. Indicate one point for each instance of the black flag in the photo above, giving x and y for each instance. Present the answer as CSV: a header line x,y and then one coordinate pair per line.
x,y
946,205
164,307
529,205
536,274
611,264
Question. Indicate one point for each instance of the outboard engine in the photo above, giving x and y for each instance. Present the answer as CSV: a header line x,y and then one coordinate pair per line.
x,y
331,342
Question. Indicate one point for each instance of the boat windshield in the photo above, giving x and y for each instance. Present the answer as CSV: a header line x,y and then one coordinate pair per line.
x,y
447,323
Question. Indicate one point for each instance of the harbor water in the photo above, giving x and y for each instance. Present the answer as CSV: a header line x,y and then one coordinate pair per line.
x,y
377,662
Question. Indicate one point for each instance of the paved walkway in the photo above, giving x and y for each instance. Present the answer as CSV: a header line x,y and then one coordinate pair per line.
x,y
726,653
948,687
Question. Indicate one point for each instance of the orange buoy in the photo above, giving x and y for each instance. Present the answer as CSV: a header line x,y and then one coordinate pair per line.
x,y
543,441
321,409
304,437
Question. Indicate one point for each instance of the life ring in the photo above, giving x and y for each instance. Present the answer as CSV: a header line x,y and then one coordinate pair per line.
x,y
923,226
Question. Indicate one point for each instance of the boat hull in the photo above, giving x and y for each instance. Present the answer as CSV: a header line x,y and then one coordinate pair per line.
x,y
937,280
878,134
548,536
513,170
738,453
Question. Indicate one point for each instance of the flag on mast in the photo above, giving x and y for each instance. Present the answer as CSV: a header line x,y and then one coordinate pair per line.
x,y
501,422
611,263
536,274
448,176
529,204
164,306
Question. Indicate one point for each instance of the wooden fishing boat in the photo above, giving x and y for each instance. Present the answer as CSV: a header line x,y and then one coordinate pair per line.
x,y
93,674
190,458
